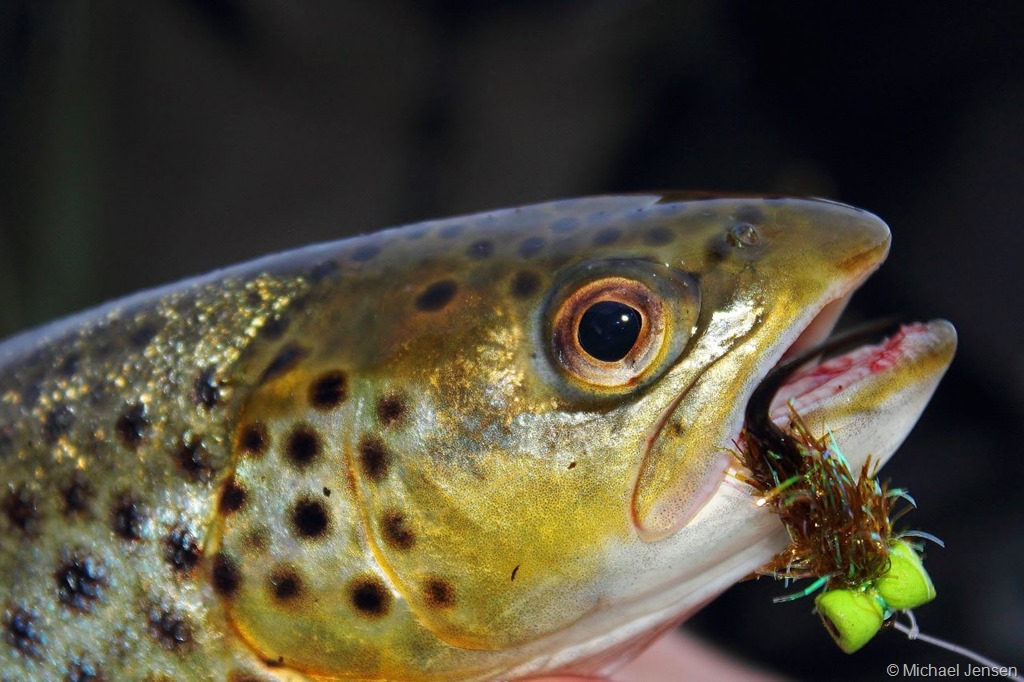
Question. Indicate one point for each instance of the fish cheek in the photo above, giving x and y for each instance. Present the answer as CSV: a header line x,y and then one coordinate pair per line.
x,y
292,565
490,518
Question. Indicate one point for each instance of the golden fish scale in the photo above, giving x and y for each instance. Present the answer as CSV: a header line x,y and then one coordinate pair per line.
x,y
341,462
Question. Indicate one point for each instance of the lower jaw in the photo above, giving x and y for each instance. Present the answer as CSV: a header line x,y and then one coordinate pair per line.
x,y
878,389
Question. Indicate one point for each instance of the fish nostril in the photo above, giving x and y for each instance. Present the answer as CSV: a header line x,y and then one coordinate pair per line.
x,y
743,235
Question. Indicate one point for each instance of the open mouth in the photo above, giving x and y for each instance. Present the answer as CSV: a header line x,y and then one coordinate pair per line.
x,y
815,374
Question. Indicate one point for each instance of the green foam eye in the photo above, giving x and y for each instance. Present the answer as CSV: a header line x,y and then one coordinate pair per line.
x,y
851,617
906,585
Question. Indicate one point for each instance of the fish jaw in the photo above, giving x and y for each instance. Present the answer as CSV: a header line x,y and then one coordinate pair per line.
x,y
869,399
811,262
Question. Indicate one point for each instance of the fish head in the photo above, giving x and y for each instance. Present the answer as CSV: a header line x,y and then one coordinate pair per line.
x,y
521,427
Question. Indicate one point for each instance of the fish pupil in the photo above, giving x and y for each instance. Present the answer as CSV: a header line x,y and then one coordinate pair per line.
x,y
609,329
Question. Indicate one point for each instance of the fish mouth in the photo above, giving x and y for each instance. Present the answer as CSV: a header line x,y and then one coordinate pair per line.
x,y
869,396
868,386
690,444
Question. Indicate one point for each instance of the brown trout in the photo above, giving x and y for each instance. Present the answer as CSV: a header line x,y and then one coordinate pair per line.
x,y
479,448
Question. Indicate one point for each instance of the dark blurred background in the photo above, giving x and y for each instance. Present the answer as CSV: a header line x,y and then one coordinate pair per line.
x,y
144,141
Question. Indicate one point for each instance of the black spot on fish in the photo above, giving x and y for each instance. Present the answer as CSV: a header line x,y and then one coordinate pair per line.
x,y
80,581
195,459
310,518
396,531
370,597
169,628
83,670
436,296
572,465
68,365
366,252
659,236
328,391
525,284
143,334
514,571
57,423
21,632
608,235
451,231
718,248
128,518
285,583
322,271
22,510
30,392
303,446
207,390
563,225
286,359
438,593
275,327
181,550
327,492
390,410
481,249
233,497
374,458
224,575
133,425
531,246
76,494
254,439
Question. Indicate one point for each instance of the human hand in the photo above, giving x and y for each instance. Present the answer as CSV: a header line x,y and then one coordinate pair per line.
x,y
676,656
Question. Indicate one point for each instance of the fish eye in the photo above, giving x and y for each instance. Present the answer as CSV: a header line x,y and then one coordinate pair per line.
x,y
612,331
609,329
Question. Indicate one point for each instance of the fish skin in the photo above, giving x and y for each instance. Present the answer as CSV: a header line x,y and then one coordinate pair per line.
x,y
364,459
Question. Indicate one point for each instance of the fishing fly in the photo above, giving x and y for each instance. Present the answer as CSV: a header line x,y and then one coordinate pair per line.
x,y
840,522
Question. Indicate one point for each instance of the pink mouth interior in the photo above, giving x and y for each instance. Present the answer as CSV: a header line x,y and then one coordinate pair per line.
x,y
817,382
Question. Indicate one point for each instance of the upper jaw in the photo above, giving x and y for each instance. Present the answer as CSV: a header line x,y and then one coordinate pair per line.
x,y
799,289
